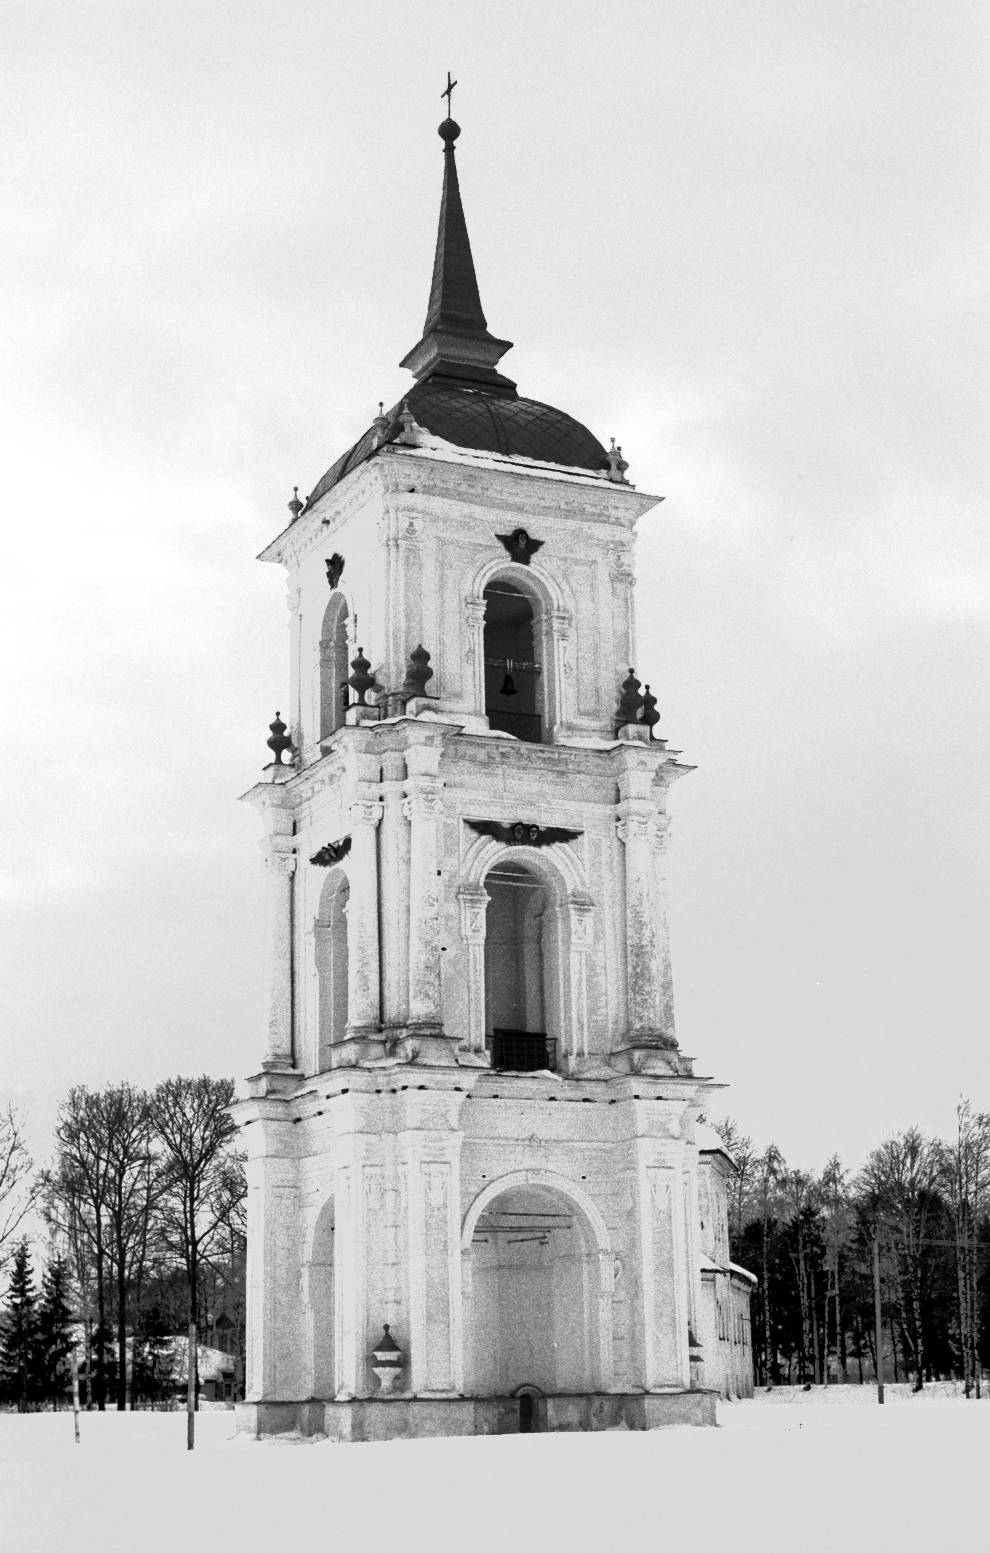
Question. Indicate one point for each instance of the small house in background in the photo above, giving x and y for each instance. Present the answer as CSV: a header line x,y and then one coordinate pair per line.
x,y
724,1309
216,1371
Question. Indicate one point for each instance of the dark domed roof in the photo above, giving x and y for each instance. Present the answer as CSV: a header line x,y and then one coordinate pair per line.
x,y
490,423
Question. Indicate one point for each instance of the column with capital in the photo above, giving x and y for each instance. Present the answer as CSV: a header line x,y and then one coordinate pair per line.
x,y
561,706
665,979
423,807
363,960
634,829
280,864
474,908
394,907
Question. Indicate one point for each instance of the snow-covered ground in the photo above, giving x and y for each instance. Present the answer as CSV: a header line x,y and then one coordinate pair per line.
x,y
806,1471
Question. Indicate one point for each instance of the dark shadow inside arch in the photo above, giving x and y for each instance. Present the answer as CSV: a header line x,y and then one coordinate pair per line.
x,y
513,672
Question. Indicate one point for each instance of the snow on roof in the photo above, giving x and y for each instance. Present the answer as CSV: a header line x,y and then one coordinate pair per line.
x,y
709,1142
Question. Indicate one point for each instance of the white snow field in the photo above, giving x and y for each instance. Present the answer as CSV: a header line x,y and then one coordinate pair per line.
x,y
819,1470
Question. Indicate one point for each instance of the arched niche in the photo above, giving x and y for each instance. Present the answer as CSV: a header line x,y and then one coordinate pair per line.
x,y
330,945
536,1279
334,665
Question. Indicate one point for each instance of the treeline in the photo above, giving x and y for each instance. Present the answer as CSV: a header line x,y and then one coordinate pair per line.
x,y
917,1214
143,1212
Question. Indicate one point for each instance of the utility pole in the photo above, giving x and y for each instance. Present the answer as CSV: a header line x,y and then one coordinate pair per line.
x,y
877,1316
191,1379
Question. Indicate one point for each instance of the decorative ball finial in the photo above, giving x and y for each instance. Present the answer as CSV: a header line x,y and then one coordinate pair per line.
x,y
295,505
380,424
630,701
418,673
617,465
650,715
361,680
279,743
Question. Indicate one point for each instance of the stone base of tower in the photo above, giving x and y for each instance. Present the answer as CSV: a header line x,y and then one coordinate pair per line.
x,y
402,1418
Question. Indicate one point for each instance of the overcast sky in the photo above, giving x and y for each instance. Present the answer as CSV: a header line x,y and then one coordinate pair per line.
x,y
750,241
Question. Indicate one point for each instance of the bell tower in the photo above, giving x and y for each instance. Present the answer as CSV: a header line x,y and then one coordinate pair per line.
x,y
472,1121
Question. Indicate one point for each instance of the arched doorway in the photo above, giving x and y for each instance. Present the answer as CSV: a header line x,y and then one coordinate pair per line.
x,y
518,942
320,1309
514,694
334,666
330,945
534,1309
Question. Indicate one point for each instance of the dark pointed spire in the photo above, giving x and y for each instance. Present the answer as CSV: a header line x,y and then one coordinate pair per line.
x,y
456,347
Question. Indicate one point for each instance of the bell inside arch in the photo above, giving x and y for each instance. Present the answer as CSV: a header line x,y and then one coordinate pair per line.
x,y
508,685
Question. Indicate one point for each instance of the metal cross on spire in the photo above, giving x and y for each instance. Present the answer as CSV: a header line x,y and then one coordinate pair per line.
x,y
449,93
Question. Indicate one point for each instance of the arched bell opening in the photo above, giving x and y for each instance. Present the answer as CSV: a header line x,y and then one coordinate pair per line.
x,y
515,693
320,1305
334,666
534,1317
520,1012
330,942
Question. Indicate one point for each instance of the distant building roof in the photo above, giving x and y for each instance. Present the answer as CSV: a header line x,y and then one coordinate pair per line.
x,y
710,1142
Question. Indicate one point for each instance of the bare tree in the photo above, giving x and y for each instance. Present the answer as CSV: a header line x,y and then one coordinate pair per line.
x,y
833,1197
99,1194
903,1175
201,1189
17,1182
131,1191
744,1158
799,1193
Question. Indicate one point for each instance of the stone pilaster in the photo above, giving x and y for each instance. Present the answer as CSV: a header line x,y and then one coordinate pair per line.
x,y
561,701
649,1044
474,630
634,830
274,1328
394,848
423,808
280,863
663,1332
363,960
435,1311
579,937
474,908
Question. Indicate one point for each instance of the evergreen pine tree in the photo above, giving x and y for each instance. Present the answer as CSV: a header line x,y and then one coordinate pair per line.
x,y
19,1353
54,1332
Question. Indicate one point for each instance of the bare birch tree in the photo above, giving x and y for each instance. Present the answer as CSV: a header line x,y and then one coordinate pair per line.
x,y
966,1176
767,1171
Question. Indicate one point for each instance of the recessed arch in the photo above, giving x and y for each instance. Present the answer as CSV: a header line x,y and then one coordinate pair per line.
x,y
334,663
535,1256
553,1181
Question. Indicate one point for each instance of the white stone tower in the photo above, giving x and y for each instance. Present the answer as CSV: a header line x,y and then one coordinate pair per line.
x,y
473,1121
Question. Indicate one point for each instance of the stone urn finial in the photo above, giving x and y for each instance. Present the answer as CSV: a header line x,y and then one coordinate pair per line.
x,y
389,1362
